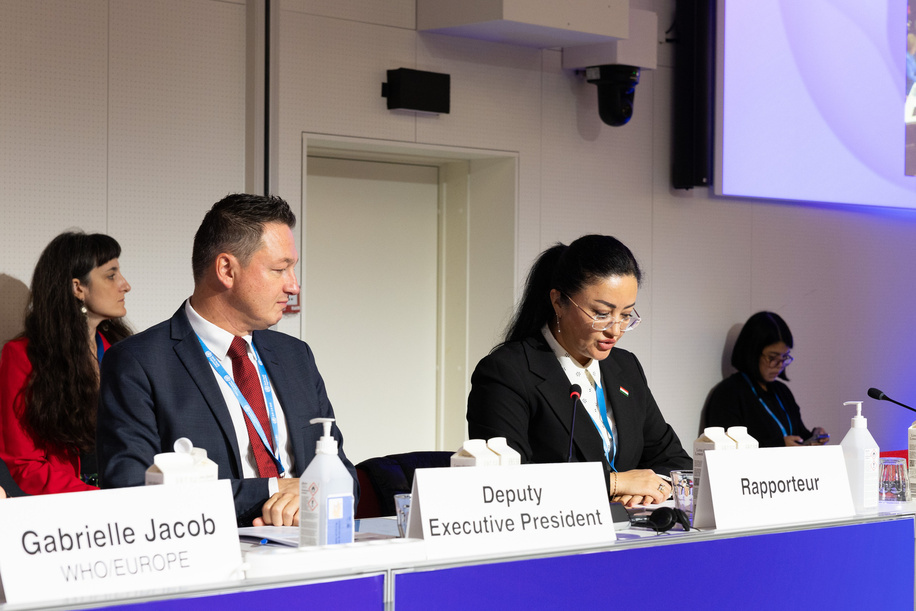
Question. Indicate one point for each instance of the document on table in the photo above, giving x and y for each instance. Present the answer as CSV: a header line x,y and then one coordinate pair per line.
x,y
367,529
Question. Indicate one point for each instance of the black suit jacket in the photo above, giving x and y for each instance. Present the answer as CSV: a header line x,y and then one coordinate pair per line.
x,y
158,386
520,392
7,482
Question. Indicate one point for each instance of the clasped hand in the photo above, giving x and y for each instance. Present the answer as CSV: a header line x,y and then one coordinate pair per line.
x,y
639,487
281,509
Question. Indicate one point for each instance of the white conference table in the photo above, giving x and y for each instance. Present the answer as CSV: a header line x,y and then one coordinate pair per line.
x,y
863,562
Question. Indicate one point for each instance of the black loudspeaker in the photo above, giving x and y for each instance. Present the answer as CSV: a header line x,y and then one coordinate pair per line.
x,y
664,519
417,90
694,94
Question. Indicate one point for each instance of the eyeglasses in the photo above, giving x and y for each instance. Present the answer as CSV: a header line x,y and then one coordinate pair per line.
x,y
778,360
603,322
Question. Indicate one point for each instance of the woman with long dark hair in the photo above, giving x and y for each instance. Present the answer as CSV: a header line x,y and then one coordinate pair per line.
x,y
753,396
49,375
579,301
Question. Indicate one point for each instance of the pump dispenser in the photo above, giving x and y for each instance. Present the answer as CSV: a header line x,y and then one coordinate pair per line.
x,y
861,453
325,495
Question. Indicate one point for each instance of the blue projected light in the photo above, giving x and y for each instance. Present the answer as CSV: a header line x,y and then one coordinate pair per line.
x,y
810,101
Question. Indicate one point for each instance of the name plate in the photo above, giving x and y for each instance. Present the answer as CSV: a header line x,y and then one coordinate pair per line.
x,y
62,547
464,511
770,486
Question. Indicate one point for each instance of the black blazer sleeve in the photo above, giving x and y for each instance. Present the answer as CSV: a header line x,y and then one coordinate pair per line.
x,y
7,482
645,439
503,403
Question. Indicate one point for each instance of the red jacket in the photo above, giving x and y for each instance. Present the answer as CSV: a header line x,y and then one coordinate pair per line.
x,y
35,469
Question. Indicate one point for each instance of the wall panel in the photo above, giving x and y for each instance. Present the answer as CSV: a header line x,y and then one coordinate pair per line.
x,y
616,196
395,13
53,134
177,115
128,117
701,279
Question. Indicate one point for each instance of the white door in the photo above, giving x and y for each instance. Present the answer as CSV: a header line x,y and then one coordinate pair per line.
x,y
370,299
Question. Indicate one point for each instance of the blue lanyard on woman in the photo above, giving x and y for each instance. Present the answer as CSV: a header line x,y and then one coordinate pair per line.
x,y
99,346
602,407
766,407
246,407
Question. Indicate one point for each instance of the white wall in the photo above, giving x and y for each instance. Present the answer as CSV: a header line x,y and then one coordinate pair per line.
x,y
121,117
710,262
128,117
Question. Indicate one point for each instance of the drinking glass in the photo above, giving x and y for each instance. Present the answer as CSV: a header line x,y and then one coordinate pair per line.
x,y
682,484
402,507
893,485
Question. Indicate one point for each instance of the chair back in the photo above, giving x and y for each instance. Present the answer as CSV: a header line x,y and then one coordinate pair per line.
x,y
382,477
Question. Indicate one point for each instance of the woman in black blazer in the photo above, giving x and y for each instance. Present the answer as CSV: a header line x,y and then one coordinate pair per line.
x,y
578,302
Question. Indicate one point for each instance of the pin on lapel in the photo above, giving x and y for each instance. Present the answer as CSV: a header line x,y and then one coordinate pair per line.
x,y
624,391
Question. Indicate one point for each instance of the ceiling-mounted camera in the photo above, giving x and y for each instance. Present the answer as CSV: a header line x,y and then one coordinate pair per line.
x,y
616,85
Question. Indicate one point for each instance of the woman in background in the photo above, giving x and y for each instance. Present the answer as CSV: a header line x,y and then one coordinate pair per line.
x,y
49,375
578,302
753,397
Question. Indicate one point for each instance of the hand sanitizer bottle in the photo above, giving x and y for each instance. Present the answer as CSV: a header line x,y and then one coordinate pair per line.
x,y
861,453
326,495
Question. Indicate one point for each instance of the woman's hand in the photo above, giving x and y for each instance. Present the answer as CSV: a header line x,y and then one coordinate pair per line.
x,y
638,487
817,432
793,440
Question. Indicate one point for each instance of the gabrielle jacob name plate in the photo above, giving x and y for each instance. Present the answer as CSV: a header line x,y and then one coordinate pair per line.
x,y
68,546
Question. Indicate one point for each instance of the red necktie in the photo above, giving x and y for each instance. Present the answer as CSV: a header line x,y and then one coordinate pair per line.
x,y
248,381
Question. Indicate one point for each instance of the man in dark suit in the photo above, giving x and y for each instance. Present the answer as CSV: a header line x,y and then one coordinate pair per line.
x,y
173,380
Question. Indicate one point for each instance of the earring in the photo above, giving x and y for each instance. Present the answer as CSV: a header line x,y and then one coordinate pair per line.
x,y
558,324
83,309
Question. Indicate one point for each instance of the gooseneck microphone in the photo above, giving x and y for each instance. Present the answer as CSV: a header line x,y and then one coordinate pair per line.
x,y
575,393
874,393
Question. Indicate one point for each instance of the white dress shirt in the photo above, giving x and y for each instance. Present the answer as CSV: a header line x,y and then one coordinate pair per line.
x,y
586,377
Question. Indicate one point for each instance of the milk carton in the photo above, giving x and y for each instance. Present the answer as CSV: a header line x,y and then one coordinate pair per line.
x,y
185,465
713,438
474,453
507,456
741,437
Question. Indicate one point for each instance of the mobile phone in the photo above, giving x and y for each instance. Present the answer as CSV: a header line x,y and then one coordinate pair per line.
x,y
815,439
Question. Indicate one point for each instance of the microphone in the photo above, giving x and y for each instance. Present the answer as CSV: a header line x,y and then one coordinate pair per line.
x,y
874,393
575,393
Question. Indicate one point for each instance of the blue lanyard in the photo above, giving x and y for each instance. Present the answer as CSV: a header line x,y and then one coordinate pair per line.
x,y
766,407
99,347
611,455
246,407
